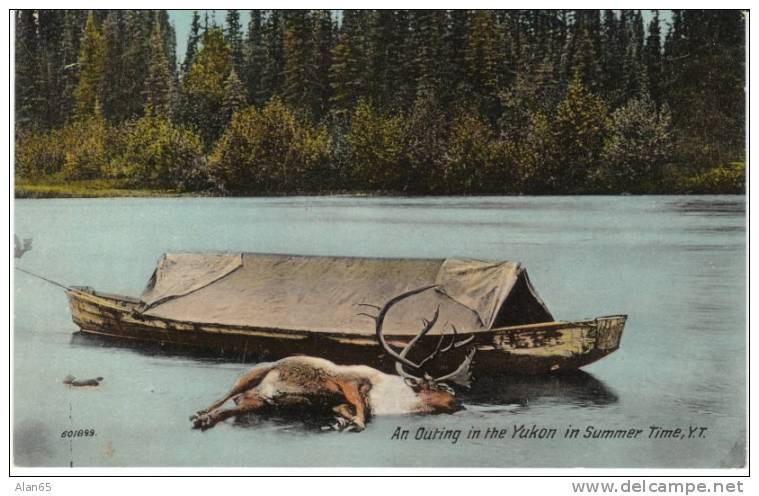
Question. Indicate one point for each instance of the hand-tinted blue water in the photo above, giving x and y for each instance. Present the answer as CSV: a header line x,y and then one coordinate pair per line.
x,y
676,265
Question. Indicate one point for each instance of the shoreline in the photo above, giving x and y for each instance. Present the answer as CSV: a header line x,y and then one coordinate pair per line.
x,y
43,193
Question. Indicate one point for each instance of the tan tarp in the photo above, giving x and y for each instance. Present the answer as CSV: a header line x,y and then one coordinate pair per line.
x,y
322,293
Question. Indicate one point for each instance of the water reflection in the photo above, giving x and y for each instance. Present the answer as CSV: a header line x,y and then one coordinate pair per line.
x,y
154,349
570,388
709,207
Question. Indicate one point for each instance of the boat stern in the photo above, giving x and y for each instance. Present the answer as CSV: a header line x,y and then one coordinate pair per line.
x,y
608,331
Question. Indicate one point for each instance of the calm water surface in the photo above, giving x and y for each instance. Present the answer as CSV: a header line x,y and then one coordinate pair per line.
x,y
676,265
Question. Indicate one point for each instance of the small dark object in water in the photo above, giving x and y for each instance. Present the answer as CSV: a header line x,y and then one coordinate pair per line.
x,y
72,381
20,248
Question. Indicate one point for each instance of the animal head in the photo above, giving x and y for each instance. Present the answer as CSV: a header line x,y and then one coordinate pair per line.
x,y
433,391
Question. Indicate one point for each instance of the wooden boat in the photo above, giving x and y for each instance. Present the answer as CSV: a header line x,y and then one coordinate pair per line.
x,y
261,307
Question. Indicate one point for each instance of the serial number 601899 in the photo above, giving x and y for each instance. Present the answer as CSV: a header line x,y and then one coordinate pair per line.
x,y
78,433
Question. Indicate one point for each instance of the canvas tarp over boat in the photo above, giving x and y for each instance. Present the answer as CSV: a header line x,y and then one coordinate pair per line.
x,y
321,294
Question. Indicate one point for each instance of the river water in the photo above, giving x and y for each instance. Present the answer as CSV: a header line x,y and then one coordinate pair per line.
x,y
676,265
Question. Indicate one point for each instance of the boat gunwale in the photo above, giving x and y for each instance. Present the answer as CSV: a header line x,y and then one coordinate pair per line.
x,y
129,303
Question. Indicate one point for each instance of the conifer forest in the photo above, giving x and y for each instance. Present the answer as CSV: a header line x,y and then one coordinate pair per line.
x,y
427,102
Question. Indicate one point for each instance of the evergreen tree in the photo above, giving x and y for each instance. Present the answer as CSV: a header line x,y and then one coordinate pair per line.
x,y
577,133
298,85
192,43
455,75
322,36
705,81
634,65
139,26
92,59
73,26
233,37
483,56
28,85
202,92
653,58
585,65
158,85
51,25
272,76
235,97
254,62
348,79
425,145
115,82
427,35
638,147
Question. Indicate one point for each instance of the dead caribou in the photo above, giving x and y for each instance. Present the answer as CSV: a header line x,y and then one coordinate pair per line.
x,y
353,392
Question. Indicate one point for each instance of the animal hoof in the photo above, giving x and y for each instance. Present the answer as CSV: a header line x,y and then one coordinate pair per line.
x,y
202,422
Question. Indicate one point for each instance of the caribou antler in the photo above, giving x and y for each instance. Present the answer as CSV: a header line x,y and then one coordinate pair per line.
x,y
461,375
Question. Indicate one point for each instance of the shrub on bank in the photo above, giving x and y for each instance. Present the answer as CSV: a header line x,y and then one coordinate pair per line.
x,y
269,150
155,153
376,149
721,179
39,154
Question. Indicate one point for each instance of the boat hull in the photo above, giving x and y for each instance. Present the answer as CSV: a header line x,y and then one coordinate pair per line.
x,y
528,349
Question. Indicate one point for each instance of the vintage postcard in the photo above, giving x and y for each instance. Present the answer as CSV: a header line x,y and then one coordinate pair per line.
x,y
379,238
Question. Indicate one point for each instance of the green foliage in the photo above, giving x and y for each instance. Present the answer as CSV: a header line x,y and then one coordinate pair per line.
x,y
577,133
269,150
86,143
211,67
39,153
376,142
425,144
554,101
155,153
721,179
203,90
235,97
92,59
348,78
158,85
475,162
638,147
79,150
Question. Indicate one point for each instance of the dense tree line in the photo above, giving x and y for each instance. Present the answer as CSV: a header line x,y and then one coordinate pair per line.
x,y
417,102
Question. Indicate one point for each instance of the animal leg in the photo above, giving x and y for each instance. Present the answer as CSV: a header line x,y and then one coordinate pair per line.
x,y
248,381
249,402
355,399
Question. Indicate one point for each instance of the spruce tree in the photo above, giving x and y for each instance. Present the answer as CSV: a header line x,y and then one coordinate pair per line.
x,y
254,60
28,87
322,42
298,85
92,59
233,36
653,58
158,85
139,26
73,26
192,43
51,28
348,78
635,82
483,56
456,83
115,82
202,92
235,97
272,76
